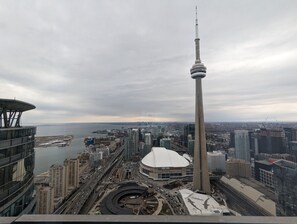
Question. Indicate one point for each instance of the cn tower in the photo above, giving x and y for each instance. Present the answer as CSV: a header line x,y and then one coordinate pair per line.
x,y
200,173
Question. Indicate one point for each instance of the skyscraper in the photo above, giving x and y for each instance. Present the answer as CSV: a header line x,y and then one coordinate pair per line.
x,y
200,174
189,129
166,143
135,141
290,134
242,145
58,180
45,199
191,145
73,172
271,141
17,160
148,138
128,149
148,143
285,173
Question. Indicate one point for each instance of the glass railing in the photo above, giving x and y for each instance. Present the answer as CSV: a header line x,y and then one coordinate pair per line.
x,y
13,133
10,159
15,142
143,219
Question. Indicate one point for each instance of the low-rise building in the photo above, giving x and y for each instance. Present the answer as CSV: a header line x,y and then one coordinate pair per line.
x,y
258,199
264,172
202,204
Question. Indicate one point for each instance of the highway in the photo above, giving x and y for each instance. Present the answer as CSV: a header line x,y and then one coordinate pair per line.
x,y
75,203
100,187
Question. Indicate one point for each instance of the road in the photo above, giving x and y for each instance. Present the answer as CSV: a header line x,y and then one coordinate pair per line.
x,y
101,186
177,207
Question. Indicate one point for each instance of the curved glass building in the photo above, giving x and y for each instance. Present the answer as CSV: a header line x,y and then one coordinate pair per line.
x,y
17,156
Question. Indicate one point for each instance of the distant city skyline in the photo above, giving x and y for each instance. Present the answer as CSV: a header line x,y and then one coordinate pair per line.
x,y
128,61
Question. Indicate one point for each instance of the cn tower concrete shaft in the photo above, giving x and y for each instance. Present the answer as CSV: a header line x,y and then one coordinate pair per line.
x,y
200,175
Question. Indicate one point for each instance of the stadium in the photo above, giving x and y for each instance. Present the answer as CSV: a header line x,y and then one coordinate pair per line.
x,y
165,164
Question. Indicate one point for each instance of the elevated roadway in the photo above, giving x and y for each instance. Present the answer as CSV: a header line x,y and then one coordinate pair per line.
x,y
75,203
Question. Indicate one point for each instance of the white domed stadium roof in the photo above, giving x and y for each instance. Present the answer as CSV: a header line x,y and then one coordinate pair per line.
x,y
161,157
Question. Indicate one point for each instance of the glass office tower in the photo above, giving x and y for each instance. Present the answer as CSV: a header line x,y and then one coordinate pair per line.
x,y
285,178
17,156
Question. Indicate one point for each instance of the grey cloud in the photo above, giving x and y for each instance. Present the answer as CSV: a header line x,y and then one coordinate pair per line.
x,y
132,58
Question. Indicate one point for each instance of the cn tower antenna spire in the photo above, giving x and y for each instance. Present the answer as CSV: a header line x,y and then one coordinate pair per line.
x,y
196,26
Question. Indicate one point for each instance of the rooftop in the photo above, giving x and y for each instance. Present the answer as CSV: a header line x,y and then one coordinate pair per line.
x,y
15,105
201,204
162,157
252,194
215,153
286,164
265,162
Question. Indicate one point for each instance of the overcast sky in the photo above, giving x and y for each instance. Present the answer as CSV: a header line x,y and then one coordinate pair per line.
x,y
116,60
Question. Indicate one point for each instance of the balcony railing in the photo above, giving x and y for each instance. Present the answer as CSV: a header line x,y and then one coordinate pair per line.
x,y
26,152
16,132
15,142
15,191
148,219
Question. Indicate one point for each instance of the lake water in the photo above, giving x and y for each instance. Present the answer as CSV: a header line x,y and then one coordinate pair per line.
x,y
45,157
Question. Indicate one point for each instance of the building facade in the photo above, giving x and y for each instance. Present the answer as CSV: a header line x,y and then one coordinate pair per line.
x,y
290,134
292,150
17,160
73,172
148,138
271,141
285,179
127,149
266,177
58,180
189,129
45,199
263,170
191,144
135,141
238,168
216,162
242,145
166,143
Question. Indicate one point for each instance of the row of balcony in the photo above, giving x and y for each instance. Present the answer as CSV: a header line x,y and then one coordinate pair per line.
x,y
11,194
27,152
15,142
13,133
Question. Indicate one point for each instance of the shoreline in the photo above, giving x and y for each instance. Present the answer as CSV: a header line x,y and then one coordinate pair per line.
x,y
57,140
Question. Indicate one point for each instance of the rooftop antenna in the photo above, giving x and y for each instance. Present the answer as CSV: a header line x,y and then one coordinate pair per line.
x,y
196,26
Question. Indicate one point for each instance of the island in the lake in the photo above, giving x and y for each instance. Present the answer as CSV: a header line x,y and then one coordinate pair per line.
x,y
59,141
